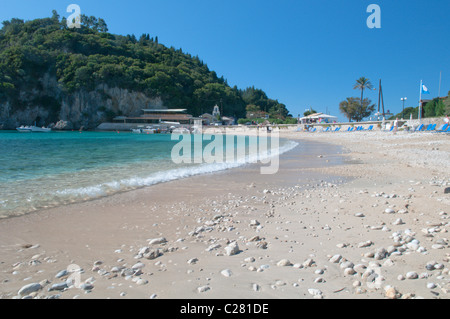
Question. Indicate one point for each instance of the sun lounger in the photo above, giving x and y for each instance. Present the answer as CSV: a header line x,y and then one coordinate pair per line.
x,y
442,128
419,128
337,129
370,128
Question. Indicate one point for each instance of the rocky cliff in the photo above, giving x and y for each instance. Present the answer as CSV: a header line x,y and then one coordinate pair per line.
x,y
81,108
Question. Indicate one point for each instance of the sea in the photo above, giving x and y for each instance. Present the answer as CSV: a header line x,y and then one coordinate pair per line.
x,y
43,170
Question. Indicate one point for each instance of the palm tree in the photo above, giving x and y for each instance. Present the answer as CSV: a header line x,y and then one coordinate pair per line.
x,y
361,84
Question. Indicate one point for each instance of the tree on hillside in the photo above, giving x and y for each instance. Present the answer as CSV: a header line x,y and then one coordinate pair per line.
x,y
361,84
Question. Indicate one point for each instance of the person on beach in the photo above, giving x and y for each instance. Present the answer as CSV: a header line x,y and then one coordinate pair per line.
x,y
395,125
446,120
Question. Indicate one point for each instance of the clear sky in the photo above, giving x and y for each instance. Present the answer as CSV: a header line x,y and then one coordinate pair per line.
x,y
304,53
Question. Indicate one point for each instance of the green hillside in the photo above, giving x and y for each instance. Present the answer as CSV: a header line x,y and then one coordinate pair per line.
x,y
83,59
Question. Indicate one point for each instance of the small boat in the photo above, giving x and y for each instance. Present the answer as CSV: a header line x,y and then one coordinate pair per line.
x,y
136,130
29,129
181,130
40,129
149,130
24,129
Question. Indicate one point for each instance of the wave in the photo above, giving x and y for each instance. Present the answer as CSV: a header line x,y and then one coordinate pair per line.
x,y
126,184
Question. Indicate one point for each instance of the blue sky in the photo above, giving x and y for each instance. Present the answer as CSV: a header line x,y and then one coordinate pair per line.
x,y
305,53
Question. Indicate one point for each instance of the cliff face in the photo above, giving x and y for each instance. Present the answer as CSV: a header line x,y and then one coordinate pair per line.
x,y
52,107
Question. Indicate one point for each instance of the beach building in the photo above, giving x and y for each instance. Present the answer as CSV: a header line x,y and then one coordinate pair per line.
x,y
318,118
156,116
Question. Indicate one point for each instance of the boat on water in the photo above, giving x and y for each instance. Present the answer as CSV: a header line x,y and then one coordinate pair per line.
x,y
181,130
24,129
41,129
142,130
136,130
29,129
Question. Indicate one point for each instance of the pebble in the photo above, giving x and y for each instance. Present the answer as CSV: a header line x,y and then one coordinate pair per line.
x,y
336,258
359,215
315,292
389,211
192,261
226,273
138,266
141,282
365,244
254,222
398,221
349,271
213,247
232,249
431,285
156,241
360,268
392,293
86,286
412,275
284,262
30,288
347,264
58,286
203,289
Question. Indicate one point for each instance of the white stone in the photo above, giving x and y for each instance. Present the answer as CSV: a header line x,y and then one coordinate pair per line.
x,y
232,249
156,241
412,275
284,262
226,273
336,258
203,289
315,292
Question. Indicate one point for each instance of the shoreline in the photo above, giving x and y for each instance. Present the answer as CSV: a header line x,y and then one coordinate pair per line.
x,y
287,230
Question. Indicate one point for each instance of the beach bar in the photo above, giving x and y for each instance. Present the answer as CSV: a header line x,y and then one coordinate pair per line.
x,y
318,118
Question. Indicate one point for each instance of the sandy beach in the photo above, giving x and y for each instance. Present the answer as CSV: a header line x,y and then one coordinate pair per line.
x,y
359,215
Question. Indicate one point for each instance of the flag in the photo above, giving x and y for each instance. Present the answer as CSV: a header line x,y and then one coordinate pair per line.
x,y
425,89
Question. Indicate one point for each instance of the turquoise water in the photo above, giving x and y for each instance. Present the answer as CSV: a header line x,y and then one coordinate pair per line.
x,y
39,170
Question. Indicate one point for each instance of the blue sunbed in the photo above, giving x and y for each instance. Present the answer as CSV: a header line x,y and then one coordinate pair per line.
x,y
442,128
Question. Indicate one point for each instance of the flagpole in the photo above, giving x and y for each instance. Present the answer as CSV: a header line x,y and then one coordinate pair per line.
x,y
419,116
